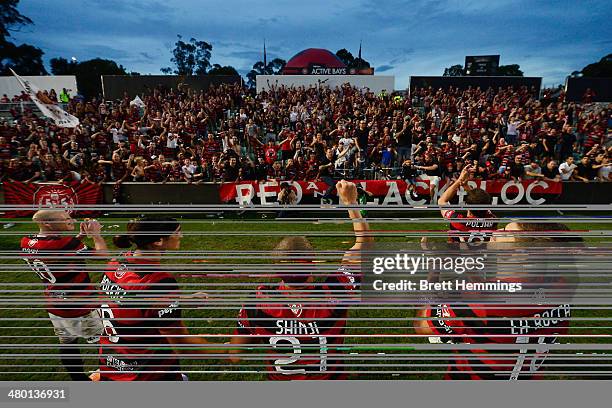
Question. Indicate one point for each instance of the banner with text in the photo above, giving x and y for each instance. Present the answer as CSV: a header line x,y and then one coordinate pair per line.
x,y
391,192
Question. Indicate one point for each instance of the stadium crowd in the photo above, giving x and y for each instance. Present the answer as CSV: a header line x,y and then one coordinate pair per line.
x,y
228,133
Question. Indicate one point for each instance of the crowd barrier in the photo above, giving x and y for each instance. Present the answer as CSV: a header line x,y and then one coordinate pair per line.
x,y
383,192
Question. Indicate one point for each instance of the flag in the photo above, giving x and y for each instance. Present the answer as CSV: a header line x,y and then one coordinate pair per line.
x,y
33,196
138,102
265,61
48,107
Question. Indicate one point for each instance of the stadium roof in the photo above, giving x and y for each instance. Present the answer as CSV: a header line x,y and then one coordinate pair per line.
x,y
305,59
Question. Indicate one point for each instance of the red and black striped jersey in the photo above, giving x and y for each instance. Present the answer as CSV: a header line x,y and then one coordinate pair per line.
x,y
301,339
59,261
139,300
118,169
479,228
500,324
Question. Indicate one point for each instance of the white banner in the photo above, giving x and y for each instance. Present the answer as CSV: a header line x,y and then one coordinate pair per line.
x,y
48,107
138,102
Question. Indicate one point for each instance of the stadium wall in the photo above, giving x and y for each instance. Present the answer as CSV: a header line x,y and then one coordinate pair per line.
x,y
376,83
10,86
114,86
463,82
576,87
211,193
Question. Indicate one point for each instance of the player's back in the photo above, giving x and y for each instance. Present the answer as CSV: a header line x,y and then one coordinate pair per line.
x,y
302,338
501,324
59,261
139,301
469,228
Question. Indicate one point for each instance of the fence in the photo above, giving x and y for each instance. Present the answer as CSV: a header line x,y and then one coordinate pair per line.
x,y
391,191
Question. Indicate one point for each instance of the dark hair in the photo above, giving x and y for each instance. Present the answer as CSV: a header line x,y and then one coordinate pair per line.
x,y
146,230
477,196
293,250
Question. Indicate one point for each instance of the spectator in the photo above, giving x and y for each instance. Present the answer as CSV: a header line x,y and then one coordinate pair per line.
x,y
584,170
365,133
566,169
432,171
189,170
551,171
64,96
409,174
326,173
517,169
533,171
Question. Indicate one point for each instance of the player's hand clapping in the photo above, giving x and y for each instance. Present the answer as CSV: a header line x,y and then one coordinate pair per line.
x,y
91,228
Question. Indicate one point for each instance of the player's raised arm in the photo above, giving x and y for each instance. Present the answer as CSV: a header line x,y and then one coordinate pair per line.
x,y
451,191
347,191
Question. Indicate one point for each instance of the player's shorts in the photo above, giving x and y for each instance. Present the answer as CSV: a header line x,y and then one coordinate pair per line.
x,y
70,329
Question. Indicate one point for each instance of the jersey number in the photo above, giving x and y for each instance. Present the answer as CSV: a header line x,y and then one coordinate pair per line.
x,y
537,359
294,342
41,269
109,330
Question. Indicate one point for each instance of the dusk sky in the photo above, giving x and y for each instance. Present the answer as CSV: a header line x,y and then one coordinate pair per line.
x,y
400,38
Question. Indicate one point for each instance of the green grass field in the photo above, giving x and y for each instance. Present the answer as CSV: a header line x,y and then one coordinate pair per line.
x,y
233,237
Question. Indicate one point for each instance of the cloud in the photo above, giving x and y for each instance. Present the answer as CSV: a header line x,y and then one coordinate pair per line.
x,y
249,55
147,56
270,20
153,7
417,37
384,68
102,51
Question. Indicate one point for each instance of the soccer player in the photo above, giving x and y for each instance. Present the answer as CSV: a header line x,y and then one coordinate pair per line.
x,y
478,223
499,323
58,258
143,329
300,321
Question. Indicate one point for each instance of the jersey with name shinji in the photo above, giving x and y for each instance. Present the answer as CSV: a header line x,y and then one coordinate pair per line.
x,y
301,340
535,325
59,261
470,228
140,300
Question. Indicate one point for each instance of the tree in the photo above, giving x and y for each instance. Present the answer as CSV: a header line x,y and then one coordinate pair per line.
x,y
453,70
61,66
350,61
25,59
345,56
10,18
190,58
274,67
88,73
601,69
509,70
226,70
